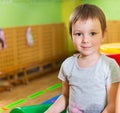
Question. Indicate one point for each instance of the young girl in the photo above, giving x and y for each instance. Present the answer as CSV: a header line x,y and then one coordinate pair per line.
x,y
89,79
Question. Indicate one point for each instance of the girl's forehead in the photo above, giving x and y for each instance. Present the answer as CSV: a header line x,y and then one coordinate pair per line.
x,y
91,20
87,24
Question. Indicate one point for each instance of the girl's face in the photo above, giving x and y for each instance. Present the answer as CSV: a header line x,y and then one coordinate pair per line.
x,y
87,36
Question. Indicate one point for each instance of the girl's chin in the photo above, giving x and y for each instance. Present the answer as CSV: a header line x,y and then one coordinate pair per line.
x,y
86,54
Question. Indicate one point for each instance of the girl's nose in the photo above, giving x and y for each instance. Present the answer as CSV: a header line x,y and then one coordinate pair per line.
x,y
85,39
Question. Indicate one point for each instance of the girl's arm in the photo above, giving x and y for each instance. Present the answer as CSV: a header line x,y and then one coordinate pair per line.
x,y
111,98
118,100
62,102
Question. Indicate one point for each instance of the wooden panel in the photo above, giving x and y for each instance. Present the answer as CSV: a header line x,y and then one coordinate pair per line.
x,y
7,54
48,44
113,32
26,53
59,41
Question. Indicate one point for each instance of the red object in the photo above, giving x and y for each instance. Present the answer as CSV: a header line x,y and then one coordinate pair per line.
x,y
116,57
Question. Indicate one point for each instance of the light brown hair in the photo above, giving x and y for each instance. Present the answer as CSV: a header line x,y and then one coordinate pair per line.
x,y
86,11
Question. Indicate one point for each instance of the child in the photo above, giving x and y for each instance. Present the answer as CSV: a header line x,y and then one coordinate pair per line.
x,y
89,79
1,44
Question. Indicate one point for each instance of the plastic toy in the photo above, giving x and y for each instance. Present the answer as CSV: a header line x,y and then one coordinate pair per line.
x,y
32,109
40,108
110,48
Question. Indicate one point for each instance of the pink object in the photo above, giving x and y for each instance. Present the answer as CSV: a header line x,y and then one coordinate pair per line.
x,y
29,37
2,36
75,109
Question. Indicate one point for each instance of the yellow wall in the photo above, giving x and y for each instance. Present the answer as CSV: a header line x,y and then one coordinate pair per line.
x,y
67,7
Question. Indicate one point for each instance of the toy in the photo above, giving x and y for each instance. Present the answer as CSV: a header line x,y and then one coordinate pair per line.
x,y
110,48
40,108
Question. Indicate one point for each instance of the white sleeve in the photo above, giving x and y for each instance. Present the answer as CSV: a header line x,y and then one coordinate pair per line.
x,y
115,72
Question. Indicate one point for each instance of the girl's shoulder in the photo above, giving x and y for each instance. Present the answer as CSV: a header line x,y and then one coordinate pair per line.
x,y
108,60
70,60
109,63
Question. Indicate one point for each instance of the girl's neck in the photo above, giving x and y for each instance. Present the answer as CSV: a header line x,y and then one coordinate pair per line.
x,y
87,61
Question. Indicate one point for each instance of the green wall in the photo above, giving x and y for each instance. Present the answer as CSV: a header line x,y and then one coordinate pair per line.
x,y
67,7
29,12
111,8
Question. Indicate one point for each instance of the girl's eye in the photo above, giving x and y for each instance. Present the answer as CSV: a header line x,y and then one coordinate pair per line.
x,y
92,33
78,34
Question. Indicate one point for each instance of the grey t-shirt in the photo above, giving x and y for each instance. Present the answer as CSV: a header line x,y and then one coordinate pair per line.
x,y
87,93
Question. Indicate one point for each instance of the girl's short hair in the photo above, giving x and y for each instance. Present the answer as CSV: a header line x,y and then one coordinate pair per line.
x,y
86,11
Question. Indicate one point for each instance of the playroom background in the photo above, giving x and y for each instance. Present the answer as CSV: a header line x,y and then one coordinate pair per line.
x,y
36,41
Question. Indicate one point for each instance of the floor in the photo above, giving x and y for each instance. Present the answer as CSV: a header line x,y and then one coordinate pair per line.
x,y
35,92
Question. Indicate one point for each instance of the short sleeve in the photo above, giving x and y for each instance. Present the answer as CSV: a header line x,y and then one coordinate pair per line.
x,y
66,67
115,72
61,74
111,70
